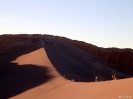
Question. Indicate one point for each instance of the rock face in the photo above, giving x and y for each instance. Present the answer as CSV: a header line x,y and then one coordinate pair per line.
x,y
122,58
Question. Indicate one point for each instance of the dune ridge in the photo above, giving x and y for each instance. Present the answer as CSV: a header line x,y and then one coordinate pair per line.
x,y
75,64
61,88
121,58
55,69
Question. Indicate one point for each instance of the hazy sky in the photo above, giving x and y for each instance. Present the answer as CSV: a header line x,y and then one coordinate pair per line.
x,y
105,23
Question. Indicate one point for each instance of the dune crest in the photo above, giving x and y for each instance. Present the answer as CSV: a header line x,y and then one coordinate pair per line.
x,y
61,88
38,58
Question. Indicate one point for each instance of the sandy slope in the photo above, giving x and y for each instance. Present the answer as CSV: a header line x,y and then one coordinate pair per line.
x,y
78,65
61,88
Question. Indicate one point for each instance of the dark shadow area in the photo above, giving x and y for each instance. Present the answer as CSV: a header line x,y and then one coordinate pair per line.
x,y
16,79
78,65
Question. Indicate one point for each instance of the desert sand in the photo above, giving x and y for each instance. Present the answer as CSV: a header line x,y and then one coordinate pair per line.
x,y
60,88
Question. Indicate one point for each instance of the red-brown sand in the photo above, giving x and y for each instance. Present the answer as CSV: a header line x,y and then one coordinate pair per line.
x,y
61,88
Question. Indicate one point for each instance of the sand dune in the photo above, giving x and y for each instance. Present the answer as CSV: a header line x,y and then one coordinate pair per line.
x,y
38,58
60,88
78,65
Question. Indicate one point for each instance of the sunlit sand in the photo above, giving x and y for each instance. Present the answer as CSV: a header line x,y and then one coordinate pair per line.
x,y
60,88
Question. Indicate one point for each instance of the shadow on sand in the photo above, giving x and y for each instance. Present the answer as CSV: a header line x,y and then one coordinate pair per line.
x,y
16,79
78,65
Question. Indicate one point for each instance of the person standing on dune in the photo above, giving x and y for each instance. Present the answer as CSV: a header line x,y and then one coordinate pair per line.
x,y
114,76
96,79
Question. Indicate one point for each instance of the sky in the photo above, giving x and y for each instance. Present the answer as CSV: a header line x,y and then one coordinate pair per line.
x,y
104,23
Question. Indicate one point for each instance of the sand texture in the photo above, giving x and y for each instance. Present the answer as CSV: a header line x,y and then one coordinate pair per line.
x,y
60,88
55,69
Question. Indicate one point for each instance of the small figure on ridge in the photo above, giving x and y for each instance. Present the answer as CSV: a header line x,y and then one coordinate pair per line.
x,y
96,79
114,76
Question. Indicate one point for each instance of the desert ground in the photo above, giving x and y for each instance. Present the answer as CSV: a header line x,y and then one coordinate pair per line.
x,y
58,68
59,87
